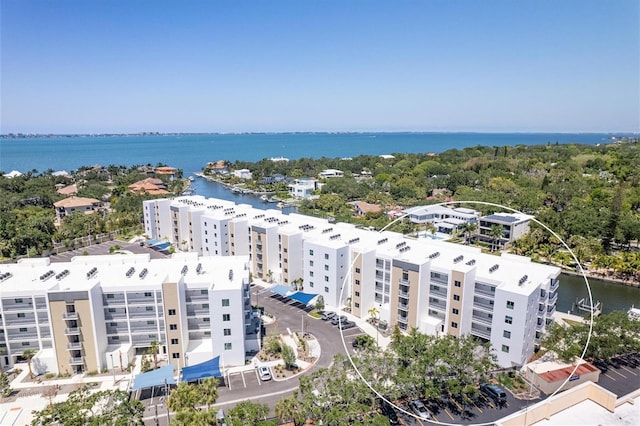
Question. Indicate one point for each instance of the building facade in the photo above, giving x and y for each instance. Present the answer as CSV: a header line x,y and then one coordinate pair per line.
x,y
433,286
98,312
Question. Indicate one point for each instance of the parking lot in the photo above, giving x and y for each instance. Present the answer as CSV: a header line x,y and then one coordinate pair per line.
x,y
621,380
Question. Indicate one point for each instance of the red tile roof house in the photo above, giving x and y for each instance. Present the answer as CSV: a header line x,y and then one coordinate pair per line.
x,y
75,204
151,186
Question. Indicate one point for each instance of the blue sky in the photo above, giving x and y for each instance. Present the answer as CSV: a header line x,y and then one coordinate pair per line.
x,y
343,65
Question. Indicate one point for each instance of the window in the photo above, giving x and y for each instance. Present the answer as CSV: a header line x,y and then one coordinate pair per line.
x,y
112,310
110,296
357,294
310,252
311,263
326,289
114,324
23,329
285,250
171,311
175,355
207,333
204,292
227,346
227,332
326,267
147,294
26,344
226,317
455,311
454,325
357,282
506,334
510,304
21,315
505,348
326,278
357,270
311,284
148,322
456,297
206,319
173,326
174,341
150,308
357,305
310,273
508,319
326,256
457,283
225,302
205,306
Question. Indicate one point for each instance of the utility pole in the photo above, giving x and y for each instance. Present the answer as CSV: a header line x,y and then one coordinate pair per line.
x,y
113,368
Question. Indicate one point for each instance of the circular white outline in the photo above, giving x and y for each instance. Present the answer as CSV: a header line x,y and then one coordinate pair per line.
x,y
525,410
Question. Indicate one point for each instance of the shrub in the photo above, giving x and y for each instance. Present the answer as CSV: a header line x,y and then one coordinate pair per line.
x,y
49,375
92,373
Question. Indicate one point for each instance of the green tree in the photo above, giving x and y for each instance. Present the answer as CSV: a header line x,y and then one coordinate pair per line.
x,y
288,356
183,397
247,413
320,303
289,409
28,355
495,232
154,348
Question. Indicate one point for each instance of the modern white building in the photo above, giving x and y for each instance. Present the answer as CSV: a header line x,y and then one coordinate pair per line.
x,y
243,174
303,187
98,312
514,226
330,173
445,219
434,286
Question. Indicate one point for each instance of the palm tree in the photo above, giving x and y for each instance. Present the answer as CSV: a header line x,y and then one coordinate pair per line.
x,y
468,229
373,313
288,409
495,233
154,348
209,391
28,354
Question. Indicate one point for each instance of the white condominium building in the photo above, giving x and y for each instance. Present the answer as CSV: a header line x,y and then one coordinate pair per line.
x,y
98,312
434,286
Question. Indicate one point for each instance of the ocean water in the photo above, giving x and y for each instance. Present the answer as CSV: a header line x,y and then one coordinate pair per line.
x,y
191,152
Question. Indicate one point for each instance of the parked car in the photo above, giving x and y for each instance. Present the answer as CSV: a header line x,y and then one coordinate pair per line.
x,y
344,325
327,315
602,366
336,319
418,407
494,392
388,411
362,341
264,373
614,363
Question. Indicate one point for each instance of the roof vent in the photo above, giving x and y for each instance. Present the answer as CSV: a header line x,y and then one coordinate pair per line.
x,y
230,274
471,262
143,273
523,279
434,255
199,268
5,276
130,272
458,259
46,276
185,268
62,274
494,268
92,272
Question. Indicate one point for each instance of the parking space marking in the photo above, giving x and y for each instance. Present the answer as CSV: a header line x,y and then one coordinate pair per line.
x,y
258,377
474,404
448,414
433,416
488,401
629,370
456,404
619,374
605,374
243,381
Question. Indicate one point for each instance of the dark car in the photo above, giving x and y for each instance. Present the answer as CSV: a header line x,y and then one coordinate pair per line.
x,y
494,392
336,319
327,315
614,363
388,411
602,366
344,325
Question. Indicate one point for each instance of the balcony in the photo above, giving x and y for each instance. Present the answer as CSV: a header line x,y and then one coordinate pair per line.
x,y
70,315
480,331
440,280
18,321
403,306
553,297
484,306
142,314
74,331
543,295
32,335
539,325
404,282
378,287
17,307
440,306
149,300
197,297
402,320
551,310
554,285
438,293
77,360
197,312
481,320
485,290
404,294
74,346
115,315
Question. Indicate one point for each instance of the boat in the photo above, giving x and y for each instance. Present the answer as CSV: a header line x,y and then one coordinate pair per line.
x,y
264,198
191,178
634,313
280,205
585,306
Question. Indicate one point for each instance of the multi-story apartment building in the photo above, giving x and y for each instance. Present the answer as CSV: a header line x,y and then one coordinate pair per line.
x,y
98,312
514,226
433,286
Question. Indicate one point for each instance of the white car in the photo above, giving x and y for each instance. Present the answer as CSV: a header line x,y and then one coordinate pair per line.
x,y
264,373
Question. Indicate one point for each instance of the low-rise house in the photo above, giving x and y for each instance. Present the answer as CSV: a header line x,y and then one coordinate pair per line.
x,y
303,187
514,226
243,174
549,376
218,167
152,186
330,173
76,204
171,172
270,180
361,208
68,190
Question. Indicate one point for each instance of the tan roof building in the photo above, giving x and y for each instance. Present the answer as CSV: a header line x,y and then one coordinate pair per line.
x,y
76,204
363,208
68,190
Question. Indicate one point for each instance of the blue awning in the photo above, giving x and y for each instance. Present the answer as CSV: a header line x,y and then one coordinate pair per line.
x,y
161,246
158,377
302,297
282,290
205,369
151,242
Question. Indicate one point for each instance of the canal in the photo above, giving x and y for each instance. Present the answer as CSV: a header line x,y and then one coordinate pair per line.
x,y
612,295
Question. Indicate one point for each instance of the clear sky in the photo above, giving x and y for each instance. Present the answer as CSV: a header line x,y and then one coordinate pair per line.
x,y
331,65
